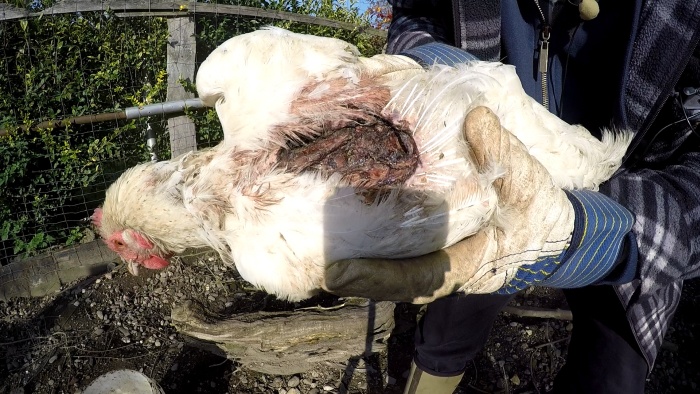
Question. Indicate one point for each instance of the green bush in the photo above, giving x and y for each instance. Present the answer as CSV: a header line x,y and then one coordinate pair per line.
x,y
65,66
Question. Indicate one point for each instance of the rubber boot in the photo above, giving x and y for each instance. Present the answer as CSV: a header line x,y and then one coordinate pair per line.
x,y
421,382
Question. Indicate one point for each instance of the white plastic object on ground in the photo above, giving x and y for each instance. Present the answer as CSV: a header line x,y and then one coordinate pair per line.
x,y
123,381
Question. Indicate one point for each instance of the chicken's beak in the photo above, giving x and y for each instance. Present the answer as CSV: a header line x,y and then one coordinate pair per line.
x,y
133,267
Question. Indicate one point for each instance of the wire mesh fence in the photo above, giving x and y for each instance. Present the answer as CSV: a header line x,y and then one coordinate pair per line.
x,y
70,69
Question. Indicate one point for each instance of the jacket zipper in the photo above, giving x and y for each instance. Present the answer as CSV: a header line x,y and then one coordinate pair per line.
x,y
542,68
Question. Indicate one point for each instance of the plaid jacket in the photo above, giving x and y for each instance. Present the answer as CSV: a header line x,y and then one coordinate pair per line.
x,y
660,180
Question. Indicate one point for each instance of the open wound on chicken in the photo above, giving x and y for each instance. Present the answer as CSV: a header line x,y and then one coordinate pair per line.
x,y
371,155
369,152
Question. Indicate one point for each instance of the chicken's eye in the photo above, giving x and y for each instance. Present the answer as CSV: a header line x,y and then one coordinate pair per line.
x,y
118,243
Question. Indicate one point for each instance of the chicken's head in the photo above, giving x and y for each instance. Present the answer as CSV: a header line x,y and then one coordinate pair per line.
x,y
133,247
143,218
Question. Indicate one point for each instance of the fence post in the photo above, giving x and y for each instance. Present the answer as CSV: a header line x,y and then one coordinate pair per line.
x,y
180,65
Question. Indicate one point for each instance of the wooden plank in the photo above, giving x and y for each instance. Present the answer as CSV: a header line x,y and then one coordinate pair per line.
x,y
180,66
149,14
45,274
68,6
159,8
8,12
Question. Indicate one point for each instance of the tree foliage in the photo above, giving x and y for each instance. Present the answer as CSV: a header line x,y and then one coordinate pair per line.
x,y
63,66
380,14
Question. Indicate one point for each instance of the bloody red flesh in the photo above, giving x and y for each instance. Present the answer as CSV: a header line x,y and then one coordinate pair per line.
x,y
371,155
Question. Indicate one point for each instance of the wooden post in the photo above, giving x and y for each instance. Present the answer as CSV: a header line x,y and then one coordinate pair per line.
x,y
180,65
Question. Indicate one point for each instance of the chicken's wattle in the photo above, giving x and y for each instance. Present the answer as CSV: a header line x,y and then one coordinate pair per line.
x,y
155,262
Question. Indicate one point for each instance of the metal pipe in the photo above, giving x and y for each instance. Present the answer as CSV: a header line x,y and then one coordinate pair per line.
x,y
168,107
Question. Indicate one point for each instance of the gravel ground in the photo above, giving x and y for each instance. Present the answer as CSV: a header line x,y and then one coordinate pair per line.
x,y
60,343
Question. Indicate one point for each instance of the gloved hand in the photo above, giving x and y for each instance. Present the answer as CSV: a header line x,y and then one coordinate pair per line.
x,y
532,236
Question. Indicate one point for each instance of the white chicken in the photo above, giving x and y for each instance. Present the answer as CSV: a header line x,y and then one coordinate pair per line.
x,y
328,155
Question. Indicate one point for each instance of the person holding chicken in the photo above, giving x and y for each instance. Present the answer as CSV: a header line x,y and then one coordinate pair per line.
x,y
621,253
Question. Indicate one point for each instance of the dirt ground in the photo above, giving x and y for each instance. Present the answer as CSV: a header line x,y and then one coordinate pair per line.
x,y
61,343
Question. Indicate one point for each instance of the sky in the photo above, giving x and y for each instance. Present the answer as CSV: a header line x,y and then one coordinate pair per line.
x,y
362,5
